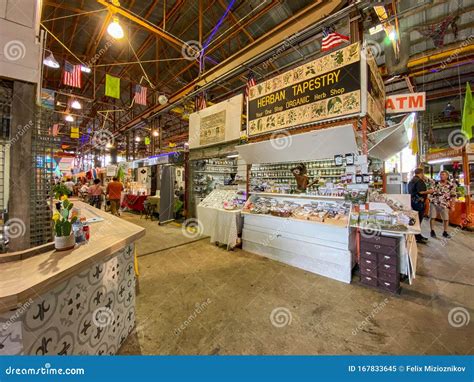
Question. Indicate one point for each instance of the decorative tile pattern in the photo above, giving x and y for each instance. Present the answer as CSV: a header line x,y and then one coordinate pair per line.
x,y
91,313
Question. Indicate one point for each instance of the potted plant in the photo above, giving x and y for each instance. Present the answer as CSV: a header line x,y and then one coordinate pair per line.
x,y
63,221
59,190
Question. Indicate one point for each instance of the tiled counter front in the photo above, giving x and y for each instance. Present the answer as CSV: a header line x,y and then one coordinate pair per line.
x,y
91,313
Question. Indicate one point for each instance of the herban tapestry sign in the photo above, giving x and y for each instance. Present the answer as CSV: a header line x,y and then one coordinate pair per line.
x,y
325,88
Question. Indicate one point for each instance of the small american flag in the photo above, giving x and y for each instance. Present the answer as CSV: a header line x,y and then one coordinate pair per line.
x,y
332,39
72,75
55,130
200,102
140,94
250,82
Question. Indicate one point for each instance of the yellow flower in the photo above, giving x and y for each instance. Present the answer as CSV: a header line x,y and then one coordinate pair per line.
x,y
64,197
56,216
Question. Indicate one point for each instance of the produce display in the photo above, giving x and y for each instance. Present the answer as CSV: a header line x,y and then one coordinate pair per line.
x,y
224,199
333,212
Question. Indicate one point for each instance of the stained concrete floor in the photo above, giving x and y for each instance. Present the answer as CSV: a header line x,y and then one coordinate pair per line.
x,y
200,299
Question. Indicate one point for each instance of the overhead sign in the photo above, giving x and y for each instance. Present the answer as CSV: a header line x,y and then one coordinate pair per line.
x,y
405,103
375,91
325,88
216,124
444,154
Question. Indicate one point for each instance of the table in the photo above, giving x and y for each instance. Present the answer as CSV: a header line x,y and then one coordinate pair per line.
x,y
73,302
134,202
223,226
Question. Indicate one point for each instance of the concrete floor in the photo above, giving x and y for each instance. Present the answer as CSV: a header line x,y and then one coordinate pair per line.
x,y
201,299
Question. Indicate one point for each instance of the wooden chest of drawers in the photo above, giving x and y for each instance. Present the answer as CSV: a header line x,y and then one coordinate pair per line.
x,y
379,262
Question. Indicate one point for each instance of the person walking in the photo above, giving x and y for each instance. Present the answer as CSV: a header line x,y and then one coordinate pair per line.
x,y
114,192
441,201
95,194
419,192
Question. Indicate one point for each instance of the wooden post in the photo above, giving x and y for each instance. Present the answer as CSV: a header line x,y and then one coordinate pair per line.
x,y
467,184
365,144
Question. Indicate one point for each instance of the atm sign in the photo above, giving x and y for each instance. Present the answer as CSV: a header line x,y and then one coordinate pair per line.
x,y
405,103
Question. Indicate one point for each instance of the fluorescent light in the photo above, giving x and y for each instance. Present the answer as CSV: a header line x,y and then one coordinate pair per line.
x,y
69,118
85,69
76,105
376,29
233,156
51,62
115,29
440,161
392,35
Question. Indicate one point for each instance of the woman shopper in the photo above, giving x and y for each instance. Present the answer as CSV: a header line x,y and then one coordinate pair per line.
x,y
95,194
442,200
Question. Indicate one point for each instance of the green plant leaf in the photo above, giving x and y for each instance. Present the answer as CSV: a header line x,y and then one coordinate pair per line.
x,y
74,219
65,214
67,228
69,207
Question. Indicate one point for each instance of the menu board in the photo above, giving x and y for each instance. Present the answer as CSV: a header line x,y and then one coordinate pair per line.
x,y
212,128
324,88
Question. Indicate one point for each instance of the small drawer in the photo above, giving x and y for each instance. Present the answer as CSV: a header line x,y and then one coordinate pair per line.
x,y
379,248
390,268
388,285
387,258
368,271
366,254
369,280
388,276
382,240
368,263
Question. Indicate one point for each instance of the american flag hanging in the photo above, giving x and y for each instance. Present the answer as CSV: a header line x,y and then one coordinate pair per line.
x,y
200,102
72,75
250,82
140,94
332,39
55,130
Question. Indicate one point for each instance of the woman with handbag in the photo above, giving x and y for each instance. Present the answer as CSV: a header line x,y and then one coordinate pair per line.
x,y
95,194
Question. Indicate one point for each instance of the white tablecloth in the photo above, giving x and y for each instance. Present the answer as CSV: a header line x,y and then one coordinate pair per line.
x,y
222,226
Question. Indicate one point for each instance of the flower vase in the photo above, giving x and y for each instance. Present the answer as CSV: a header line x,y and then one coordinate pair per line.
x,y
64,243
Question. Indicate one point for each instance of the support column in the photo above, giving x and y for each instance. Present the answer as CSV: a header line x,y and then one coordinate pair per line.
x,y
21,165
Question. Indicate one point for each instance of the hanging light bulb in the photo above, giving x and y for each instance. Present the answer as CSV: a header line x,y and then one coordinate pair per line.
x,y
85,69
115,29
69,118
76,105
137,139
50,61
156,133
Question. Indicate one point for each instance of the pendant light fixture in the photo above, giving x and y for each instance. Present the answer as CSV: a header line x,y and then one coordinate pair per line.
x,y
115,29
76,105
51,62
69,118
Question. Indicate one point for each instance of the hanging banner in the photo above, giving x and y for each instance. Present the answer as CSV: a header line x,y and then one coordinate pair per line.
x,y
216,124
325,88
74,132
405,103
375,91
47,98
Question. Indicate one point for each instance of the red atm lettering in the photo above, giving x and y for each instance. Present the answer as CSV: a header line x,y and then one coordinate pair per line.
x,y
415,102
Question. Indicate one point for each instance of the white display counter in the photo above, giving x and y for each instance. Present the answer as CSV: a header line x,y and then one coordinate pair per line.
x,y
319,247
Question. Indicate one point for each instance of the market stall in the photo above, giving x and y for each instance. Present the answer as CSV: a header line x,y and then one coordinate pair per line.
x,y
220,215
